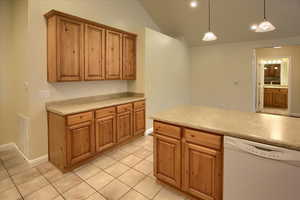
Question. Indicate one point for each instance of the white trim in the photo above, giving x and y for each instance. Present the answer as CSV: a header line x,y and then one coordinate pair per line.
x,y
33,162
8,146
294,114
149,131
290,65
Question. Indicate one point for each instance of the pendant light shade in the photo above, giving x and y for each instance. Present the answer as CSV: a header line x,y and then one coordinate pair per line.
x,y
264,26
209,36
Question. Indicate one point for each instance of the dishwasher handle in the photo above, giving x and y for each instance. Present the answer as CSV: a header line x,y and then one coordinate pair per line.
x,y
260,150
263,152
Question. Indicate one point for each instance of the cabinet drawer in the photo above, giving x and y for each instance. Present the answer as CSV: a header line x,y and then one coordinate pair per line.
x,y
78,118
105,112
124,108
167,130
203,138
139,104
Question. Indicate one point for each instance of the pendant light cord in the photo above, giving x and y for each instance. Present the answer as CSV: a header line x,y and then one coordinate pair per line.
x,y
209,20
265,9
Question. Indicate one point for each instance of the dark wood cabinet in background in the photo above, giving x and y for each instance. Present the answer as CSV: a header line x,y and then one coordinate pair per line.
x,y
276,97
83,50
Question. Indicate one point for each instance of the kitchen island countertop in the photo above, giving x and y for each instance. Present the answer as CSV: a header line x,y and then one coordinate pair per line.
x,y
274,130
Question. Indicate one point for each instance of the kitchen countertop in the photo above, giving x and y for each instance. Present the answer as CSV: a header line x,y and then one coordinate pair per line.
x,y
276,86
72,106
264,128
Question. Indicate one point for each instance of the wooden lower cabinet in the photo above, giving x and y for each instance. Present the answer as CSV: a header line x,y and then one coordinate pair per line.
x,y
202,172
80,142
124,126
105,132
77,138
274,97
139,121
184,160
168,160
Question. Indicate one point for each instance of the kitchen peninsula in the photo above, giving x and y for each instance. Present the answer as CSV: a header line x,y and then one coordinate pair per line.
x,y
189,144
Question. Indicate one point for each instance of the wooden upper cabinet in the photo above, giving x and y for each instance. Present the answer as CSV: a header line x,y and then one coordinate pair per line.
x,y
113,55
129,57
202,172
65,49
94,53
83,50
80,142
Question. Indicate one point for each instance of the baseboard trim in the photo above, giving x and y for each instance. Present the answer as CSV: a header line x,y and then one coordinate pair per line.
x,y
149,131
33,162
294,114
8,146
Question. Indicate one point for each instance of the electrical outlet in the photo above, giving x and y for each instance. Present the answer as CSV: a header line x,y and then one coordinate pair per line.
x,y
44,94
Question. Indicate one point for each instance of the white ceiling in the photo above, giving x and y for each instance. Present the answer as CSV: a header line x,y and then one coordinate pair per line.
x,y
231,19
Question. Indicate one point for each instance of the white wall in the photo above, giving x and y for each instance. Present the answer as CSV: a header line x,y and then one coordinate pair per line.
x,y
5,53
167,72
223,75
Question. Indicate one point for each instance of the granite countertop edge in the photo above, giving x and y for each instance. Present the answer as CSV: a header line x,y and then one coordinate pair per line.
x,y
222,132
104,104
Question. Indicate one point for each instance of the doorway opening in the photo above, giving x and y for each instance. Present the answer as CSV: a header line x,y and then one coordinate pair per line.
x,y
273,83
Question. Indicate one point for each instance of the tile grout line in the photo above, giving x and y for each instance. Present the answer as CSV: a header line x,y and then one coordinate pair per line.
x,y
50,183
10,177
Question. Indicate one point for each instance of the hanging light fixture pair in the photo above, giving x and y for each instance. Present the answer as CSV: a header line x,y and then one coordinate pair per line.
x,y
264,26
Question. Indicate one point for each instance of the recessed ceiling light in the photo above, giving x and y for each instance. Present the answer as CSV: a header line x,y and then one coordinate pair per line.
x,y
194,3
277,47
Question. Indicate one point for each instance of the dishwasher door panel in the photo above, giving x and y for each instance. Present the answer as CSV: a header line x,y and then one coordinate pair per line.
x,y
249,177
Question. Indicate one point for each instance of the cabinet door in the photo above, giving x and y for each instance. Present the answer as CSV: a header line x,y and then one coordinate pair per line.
x,y
124,126
202,172
280,99
139,121
80,142
167,154
129,57
94,53
268,98
105,132
113,55
70,63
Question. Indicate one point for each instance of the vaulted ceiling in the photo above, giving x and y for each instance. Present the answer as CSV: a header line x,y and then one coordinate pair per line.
x,y
230,19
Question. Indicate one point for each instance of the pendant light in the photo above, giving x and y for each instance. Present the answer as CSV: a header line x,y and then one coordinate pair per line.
x,y
209,36
265,26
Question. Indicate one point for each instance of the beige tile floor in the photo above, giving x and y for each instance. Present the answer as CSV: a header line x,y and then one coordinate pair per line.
x,y
125,173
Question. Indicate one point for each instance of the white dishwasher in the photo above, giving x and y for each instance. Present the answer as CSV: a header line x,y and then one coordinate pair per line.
x,y
255,171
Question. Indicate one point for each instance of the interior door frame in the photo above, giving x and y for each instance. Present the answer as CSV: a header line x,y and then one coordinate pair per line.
x,y
261,97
